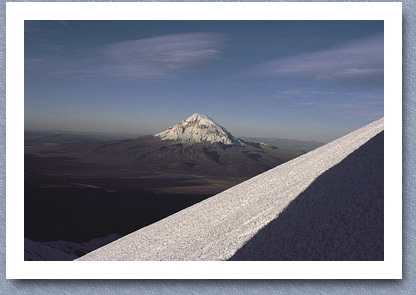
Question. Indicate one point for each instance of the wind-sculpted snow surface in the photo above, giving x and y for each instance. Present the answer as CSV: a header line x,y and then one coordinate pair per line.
x,y
324,205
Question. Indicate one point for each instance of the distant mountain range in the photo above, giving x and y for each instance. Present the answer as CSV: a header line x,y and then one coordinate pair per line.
x,y
195,146
285,143
195,129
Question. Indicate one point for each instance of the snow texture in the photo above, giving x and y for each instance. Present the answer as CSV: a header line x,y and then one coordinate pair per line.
x,y
199,128
232,224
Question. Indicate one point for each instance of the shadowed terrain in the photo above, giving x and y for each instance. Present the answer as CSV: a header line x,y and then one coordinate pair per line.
x,y
80,214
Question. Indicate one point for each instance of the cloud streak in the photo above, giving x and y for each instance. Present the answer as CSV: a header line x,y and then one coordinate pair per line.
x,y
359,62
161,56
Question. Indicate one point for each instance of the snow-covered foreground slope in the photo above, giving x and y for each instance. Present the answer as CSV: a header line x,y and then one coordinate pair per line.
x,y
324,205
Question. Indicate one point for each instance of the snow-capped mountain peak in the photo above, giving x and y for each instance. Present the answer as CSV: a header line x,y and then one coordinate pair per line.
x,y
199,128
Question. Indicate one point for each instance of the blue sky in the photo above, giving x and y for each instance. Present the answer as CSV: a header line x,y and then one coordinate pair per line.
x,y
310,80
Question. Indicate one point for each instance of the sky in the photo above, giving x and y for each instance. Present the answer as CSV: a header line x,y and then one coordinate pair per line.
x,y
307,80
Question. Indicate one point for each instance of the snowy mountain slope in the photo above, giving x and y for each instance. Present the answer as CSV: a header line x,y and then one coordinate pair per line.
x,y
199,128
219,227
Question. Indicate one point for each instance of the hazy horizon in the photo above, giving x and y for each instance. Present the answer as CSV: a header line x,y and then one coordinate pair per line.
x,y
305,80
134,135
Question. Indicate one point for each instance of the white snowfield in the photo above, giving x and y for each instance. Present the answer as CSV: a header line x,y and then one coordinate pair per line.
x,y
242,223
199,128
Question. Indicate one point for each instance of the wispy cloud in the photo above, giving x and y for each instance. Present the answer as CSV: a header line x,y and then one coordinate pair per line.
x,y
160,56
357,62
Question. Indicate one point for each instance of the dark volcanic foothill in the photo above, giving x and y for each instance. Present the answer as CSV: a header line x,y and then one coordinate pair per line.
x,y
148,155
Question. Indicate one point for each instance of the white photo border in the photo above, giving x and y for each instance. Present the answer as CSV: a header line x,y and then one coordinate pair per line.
x,y
17,12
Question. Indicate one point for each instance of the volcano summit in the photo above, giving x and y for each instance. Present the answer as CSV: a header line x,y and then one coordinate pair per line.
x,y
199,128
